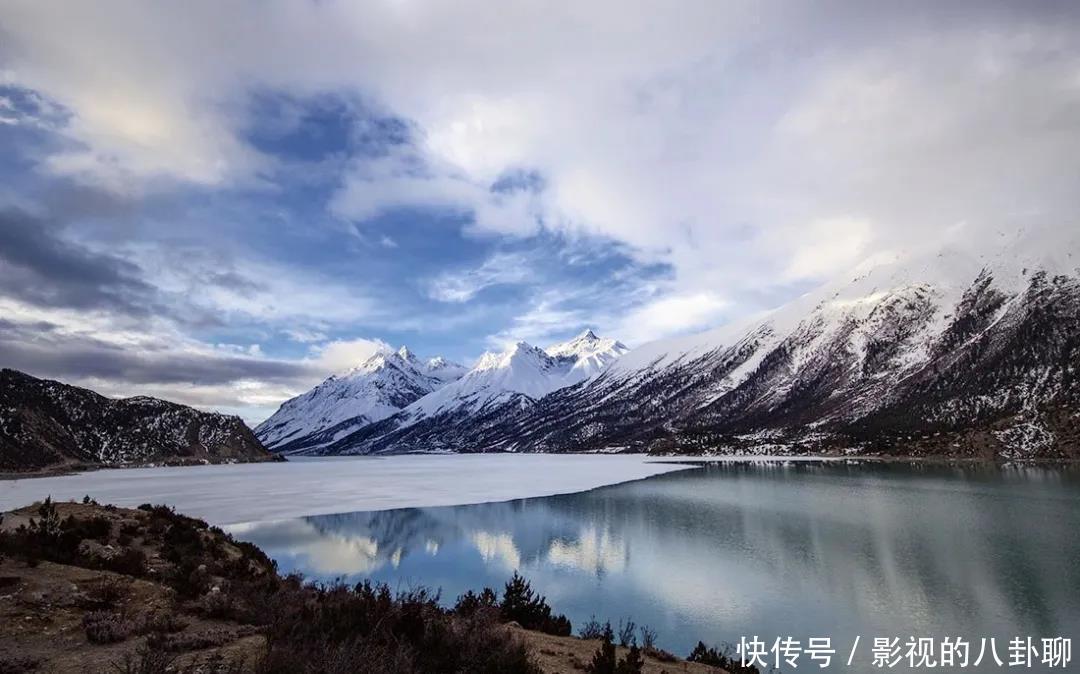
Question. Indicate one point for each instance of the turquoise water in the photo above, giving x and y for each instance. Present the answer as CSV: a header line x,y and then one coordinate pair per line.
x,y
731,550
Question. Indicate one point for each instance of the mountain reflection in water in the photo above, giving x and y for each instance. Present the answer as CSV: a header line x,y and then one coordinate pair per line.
x,y
737,549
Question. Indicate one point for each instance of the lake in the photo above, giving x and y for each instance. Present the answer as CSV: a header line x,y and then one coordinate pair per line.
x,y
714,552
739,549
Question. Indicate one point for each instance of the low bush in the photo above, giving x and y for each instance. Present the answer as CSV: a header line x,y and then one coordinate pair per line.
x,y
188,577
97,528
152,659
47,537
648,638
594,630
603,661
130,529
105,627
192,641
218,605
145,660
107,593
162,622
41,538
129,561
633,663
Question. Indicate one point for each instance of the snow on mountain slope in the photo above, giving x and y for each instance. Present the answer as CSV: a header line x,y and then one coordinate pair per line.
x,y
521,370
444,370
966,350
512,379
1009,256
373,390
956,343
589,355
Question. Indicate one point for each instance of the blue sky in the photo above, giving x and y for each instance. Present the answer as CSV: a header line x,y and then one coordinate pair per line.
x,y
221,205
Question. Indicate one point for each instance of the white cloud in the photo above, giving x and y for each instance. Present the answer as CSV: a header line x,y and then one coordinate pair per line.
x,y
746,144
305,336
257,289
462,286
401,179
148,356
826,246
249,349
671,315
341,355
541,323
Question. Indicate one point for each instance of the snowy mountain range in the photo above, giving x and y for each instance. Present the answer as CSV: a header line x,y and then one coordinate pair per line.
x,y
522,372
962,351
373,390
391,392
969,351
47,424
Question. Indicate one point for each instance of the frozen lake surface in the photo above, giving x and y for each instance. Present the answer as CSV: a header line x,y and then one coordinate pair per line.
x,y
227,494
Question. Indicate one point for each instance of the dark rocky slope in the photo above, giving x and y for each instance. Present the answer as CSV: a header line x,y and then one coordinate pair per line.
x,y
46,424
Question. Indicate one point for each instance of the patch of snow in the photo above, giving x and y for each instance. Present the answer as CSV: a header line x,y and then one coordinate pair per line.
x,y
228,494
1024,440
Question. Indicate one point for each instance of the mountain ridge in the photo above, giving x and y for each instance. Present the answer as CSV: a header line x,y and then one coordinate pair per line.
x,y
516,376
378,387
957,352
47,424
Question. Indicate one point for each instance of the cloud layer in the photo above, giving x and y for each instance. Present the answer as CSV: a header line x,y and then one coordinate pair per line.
x,y
293,178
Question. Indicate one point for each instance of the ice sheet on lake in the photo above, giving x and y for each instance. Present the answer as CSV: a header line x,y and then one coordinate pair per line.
x,y
228,494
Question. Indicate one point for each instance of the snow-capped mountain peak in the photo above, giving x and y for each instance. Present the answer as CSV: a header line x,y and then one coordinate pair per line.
x,y
444,370
522,369
590,354
515,377
384,383
943,349
516,355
